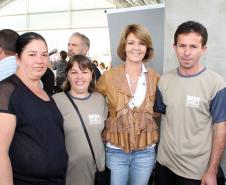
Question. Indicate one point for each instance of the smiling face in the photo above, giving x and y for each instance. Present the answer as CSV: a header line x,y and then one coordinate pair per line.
x,y
189,49
135,49
79,80
33,60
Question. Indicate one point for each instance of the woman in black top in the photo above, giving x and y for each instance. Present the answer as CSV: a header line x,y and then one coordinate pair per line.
x,y
32,148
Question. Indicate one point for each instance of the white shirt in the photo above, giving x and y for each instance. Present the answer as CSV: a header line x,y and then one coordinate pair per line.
x,y
7,67
139,95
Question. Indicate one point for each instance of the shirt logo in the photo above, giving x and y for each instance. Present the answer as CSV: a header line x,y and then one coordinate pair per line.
x,y
192,101
94,119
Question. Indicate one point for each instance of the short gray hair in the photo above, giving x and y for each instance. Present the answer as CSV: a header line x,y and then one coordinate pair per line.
x,y
84,38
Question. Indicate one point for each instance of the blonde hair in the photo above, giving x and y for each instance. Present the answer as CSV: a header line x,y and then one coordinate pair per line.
x,y
141,33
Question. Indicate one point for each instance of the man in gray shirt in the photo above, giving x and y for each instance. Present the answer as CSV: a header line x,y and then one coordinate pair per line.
x,y
192,100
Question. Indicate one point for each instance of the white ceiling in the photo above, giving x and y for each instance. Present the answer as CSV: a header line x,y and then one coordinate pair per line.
x,y
118,3
3,2
132,3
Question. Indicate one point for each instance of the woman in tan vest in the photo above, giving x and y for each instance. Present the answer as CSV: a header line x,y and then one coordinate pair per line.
x,y
130,132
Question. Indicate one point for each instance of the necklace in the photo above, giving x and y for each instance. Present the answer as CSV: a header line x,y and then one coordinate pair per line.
x,y
133,81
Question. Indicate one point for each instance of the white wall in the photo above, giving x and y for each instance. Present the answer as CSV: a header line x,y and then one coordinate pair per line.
x,y
56,20
212,15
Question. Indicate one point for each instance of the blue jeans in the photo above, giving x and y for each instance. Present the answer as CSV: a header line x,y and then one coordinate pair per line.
x,y
134,168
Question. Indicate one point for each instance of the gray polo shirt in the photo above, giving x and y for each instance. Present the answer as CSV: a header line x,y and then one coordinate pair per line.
x,y
190,105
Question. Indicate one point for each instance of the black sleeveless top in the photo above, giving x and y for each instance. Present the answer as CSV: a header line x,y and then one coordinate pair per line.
x,y
37,152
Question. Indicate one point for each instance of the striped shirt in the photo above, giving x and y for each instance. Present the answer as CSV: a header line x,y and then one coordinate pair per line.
x,y
7,67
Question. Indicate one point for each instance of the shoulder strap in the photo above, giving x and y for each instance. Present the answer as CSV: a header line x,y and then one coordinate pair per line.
x,y
83,125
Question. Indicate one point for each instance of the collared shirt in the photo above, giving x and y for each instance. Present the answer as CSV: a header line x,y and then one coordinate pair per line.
x,y
139,95
7,67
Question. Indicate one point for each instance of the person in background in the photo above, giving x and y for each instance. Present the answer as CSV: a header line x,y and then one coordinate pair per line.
x,y
131,132
192,101
48,80
54,56
7,52
95,62
79,44
60,67
80,84
102,68
32,144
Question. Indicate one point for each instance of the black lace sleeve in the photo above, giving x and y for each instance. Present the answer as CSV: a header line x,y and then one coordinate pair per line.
x,y
7,88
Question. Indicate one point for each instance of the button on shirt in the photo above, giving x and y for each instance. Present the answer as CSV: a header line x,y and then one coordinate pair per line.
x,y
139,95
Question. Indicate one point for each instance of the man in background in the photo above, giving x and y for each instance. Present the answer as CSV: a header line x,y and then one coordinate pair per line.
x,y
7,52
79,44
60,67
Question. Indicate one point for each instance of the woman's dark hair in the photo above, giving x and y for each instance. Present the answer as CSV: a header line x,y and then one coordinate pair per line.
x,y
83,63
191,27
24,39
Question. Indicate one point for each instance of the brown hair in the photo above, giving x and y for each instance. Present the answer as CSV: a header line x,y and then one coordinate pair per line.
x,y
63,55
140,32
8,41
83,63
191,27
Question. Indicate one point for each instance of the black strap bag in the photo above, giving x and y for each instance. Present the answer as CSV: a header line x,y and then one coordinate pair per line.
x,y
101,177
